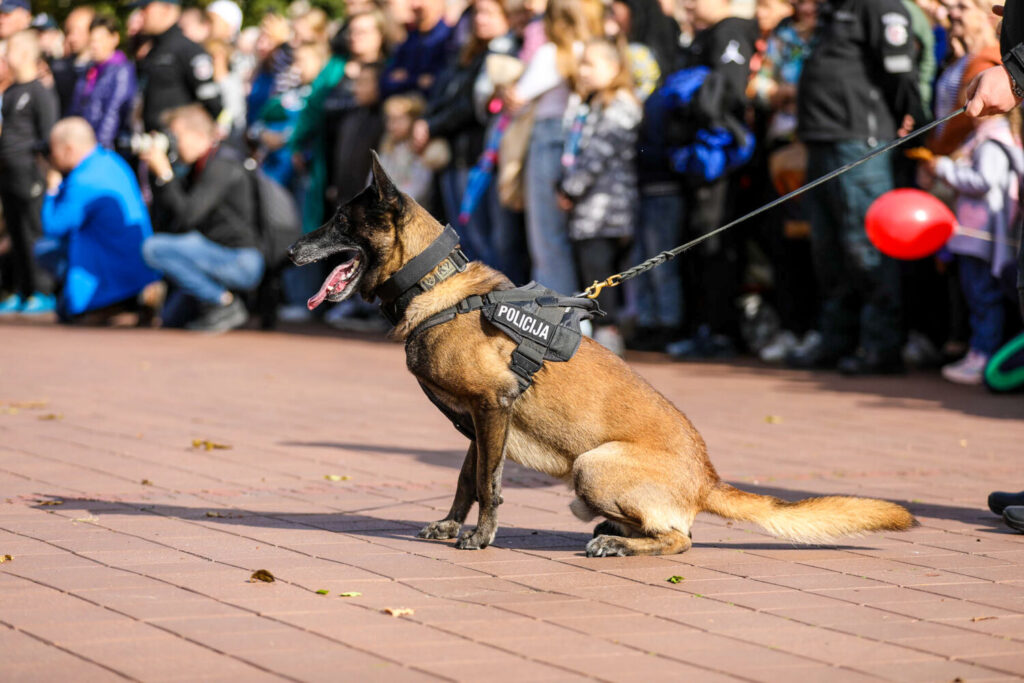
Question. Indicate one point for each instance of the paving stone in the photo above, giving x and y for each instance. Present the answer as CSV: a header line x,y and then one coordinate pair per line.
x,y
151,580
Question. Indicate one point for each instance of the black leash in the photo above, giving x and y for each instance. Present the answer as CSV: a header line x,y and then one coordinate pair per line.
x,y
594,290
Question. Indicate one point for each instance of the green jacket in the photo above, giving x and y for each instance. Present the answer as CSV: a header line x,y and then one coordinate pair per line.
x,y
308,139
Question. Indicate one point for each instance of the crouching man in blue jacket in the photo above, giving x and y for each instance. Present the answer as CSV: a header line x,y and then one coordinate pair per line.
x,y
94,223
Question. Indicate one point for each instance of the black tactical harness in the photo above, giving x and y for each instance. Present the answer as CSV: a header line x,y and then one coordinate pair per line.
x,y
544,324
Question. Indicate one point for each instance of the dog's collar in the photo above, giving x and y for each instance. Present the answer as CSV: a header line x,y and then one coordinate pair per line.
x,y
418,276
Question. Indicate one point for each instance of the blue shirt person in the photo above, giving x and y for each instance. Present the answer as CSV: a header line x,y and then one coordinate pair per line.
x,y
94,223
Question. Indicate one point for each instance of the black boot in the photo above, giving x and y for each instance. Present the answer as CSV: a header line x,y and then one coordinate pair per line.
x,y
1014,517
999,501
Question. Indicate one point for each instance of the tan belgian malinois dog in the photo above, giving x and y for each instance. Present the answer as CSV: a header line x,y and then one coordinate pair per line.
x,y
629,454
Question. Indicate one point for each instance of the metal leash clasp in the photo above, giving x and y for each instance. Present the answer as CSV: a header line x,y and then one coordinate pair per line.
x,y
594,290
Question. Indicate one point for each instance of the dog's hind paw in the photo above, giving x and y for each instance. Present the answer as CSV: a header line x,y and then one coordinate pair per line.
x,y
446,528
474,540
608,546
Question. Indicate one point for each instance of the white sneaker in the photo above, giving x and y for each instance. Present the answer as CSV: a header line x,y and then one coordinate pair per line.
x,y
968,370
812,340
919,351
610,338
781,344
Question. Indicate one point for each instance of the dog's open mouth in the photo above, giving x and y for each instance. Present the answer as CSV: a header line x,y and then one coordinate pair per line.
x,y
338,284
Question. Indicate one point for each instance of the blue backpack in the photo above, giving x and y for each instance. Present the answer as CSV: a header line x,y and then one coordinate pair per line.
x,y
686,120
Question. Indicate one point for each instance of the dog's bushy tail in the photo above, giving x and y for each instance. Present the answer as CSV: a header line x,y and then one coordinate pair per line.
x,y
812,520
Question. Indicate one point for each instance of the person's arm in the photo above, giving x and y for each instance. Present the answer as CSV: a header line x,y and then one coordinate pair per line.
x,y
400,75
976,177
310,120
123,91
455,112
188,209
541,74
45,113
890,42
199,78
63,210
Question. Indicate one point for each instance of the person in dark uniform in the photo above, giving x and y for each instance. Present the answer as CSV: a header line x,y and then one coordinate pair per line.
x,y
29,111
724,44
72,66
858,89
176,71
998,90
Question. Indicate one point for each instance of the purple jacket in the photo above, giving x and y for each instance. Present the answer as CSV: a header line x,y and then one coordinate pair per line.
x,y
103,96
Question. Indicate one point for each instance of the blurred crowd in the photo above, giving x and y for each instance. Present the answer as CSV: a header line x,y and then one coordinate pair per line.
x,y
151,163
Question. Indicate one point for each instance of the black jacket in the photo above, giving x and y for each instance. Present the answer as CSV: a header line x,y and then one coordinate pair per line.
x,y
29,111
451,115
1011,40
176,72
215,199
726,49
861,78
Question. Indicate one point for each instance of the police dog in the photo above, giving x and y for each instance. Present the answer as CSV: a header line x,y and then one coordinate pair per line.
x,y
630,455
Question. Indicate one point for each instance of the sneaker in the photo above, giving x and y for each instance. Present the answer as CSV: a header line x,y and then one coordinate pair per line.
x,y
10,305
782,343
609,337
39,304
218,319
811,340
703,345
864,363
968,370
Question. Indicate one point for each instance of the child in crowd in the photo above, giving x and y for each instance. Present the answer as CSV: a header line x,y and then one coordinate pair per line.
x,y
396,154
599,185
986,173
29,112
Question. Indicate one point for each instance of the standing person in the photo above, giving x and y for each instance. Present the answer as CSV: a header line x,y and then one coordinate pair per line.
x,y
425,53
545,85
95,220
229,69
985,173
105,93
999,90
70,68
854,95
29,111
175,71
599,188
206,244
452,115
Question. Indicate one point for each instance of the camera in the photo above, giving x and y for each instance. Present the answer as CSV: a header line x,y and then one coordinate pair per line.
x,y
137,144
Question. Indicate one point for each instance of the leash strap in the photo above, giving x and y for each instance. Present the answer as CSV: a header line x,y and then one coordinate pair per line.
x,y
594,290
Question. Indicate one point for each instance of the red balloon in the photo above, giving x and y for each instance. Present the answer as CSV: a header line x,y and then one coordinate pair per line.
x,y
908,224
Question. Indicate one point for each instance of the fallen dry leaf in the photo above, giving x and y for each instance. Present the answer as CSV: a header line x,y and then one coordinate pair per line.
x,y
675,579
215,514
773,419
261,575
50,502
982,618
398,611
90,518
323,591
208,445
6,558
147,482
349,594
26,405
52,416
337,477
963,443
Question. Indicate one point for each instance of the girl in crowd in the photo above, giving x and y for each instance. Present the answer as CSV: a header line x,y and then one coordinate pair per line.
x,y
599,187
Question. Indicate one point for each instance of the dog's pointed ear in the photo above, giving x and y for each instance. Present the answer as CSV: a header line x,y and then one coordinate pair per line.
x,y
382,183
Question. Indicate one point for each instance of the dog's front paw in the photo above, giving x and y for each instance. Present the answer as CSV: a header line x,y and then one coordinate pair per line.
x,y
608,546
474,539
445,528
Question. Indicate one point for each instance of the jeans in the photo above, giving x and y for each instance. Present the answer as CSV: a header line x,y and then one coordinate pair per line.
x,y
595,258
547,226
984,303
659,293
860,286
476,234
202,268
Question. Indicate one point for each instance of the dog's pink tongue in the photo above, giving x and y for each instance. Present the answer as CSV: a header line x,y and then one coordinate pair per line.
x,y
319,297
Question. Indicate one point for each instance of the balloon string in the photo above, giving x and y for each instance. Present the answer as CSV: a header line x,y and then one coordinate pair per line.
x,y
982,235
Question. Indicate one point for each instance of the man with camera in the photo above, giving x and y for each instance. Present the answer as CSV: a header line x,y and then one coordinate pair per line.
x,y
94,223
175,71
207,245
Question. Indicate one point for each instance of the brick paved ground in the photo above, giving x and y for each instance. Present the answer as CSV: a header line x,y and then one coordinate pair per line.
x,y
141,572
